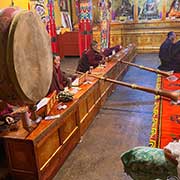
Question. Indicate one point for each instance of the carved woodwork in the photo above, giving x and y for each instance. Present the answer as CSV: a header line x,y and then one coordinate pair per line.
x,y
148,36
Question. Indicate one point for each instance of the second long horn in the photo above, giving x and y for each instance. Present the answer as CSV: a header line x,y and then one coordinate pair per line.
x,y
164,73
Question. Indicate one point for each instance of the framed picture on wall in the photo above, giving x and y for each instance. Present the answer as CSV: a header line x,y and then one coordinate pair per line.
x,y
66,20
63,5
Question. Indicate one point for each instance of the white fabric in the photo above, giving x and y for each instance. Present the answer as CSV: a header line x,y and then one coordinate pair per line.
x,y
174,147
42,103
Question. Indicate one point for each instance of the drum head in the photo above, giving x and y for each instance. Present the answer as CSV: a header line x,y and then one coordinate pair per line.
x,y
29,57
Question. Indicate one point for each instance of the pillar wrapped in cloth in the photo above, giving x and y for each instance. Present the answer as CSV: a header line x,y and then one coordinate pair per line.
x,y
85,24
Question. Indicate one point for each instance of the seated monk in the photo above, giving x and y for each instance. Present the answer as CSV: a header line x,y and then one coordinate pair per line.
x,y
165,53
176,56
60,79
92,57
169,54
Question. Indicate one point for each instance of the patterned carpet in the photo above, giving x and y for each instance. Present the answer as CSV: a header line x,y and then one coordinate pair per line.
x,y
166,114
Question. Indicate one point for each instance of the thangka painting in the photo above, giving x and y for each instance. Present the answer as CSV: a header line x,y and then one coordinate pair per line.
x,y
63,4
150,9
96,12
105,6
122,10
40,8
173,9
66,20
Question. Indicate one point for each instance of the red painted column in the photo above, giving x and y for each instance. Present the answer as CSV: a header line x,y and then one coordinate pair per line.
x,y
85,24
52,28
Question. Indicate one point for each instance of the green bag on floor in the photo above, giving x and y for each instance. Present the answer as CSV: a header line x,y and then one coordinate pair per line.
x,y
146,163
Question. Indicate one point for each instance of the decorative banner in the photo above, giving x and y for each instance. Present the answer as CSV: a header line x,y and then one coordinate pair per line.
x,y
51,27
84,10
40,8
105,6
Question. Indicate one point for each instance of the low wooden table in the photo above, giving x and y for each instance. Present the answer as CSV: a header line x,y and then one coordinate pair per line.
x,y
39,154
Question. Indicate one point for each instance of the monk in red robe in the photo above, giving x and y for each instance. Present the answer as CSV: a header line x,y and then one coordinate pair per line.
x,y
60,79
92,57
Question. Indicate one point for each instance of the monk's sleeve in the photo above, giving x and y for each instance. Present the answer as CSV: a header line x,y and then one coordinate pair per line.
x,y
108,51
175,49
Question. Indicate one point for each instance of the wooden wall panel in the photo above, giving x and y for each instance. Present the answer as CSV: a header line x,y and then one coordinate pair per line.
x,y
90,100
51,144
51,167
89,118
20,152
23,175
69,146
147,36
69,125
96,92
83,110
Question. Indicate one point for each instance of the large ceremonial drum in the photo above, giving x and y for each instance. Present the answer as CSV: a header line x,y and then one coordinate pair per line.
x,y
25,57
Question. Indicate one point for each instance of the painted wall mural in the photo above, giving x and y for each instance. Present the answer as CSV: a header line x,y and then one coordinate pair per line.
x,y
45,9
150,9
122,10
173,8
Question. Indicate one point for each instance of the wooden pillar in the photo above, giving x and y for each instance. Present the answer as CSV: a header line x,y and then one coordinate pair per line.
x,y
164,10
135,11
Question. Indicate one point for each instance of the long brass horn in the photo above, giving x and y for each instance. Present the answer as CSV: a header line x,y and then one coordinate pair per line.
x,y
157,71
172,95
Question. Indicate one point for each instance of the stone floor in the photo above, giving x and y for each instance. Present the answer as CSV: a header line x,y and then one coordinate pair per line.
x,y
123,123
